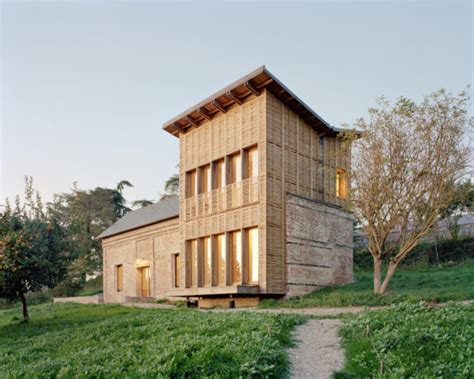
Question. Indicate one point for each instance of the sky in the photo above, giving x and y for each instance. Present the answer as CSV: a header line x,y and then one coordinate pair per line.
x,y
86,86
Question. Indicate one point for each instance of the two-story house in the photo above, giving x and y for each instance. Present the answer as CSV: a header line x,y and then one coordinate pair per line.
x,y
261,210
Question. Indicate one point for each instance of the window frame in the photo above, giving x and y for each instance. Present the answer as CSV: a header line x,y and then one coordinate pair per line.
x,y
119,277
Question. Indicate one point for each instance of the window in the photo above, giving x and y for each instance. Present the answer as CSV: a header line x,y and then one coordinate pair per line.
x,y
220,244
206,261
219,168
235,168
205,179
119,277
252,249
191,183
176,268
192,263
236,256
252,162
341,183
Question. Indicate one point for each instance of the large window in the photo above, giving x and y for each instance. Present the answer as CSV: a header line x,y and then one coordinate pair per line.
x,y
219,172
341,183
119,277
221,261
205,179
252,162
191,183
192,263
235,162
176,270
206,261
236,255
252,249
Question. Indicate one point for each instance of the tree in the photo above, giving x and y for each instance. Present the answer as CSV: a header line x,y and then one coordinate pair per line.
x,y
402,170
33,250
463,200
84,214
171,187
141,203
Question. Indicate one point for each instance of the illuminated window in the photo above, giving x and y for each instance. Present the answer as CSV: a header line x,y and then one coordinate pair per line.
x,y
205,179
176,266
119,276
206,261
220,245
341,183
236,256
252,248
192,263
252,162
191,183
235,168
219,172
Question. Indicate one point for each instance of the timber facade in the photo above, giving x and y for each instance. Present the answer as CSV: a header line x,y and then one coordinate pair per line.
x,y
261,209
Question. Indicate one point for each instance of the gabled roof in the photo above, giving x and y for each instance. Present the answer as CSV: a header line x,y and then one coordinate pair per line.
x,y
235,93
163,210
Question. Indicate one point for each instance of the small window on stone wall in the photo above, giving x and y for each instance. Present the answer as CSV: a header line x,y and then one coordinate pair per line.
x,y
119,277
341,183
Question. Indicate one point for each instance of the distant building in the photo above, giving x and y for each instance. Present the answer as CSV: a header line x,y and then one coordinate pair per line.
x,y
439,230
263,185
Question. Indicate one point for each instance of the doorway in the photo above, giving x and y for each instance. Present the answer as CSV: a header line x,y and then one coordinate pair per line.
x,y
144,281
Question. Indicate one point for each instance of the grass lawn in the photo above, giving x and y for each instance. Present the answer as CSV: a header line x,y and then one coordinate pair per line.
x,y
430,283
410,340
103,341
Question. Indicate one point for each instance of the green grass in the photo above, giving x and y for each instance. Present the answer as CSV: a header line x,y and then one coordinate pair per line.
x,y
89,292
429,283
410,340
103,341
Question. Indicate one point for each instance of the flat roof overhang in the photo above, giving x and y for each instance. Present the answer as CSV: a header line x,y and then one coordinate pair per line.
x,y
251,84
204,291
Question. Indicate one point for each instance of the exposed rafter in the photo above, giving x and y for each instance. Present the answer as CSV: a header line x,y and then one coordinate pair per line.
x,y
191,121
178,128
264,84
231,96
252,88
219,106
204,114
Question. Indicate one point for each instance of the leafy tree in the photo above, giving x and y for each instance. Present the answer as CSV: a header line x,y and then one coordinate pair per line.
x,y
462,201
171,187
33,250
141,203
84,214
403,168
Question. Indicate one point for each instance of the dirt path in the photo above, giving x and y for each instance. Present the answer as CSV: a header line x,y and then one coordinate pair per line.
x,y
318,352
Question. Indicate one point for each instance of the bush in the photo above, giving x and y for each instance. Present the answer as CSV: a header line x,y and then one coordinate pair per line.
x,y
425,253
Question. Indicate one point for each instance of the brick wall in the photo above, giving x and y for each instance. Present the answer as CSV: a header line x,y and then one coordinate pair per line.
x,y
151,245
318,245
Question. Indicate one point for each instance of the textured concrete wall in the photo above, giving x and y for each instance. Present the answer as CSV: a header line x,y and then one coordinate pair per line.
x,y
151,245
318,245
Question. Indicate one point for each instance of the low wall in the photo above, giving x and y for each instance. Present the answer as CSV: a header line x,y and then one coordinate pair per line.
x,y
96,299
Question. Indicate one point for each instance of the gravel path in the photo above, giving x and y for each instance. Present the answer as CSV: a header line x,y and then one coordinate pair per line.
x,y
318,353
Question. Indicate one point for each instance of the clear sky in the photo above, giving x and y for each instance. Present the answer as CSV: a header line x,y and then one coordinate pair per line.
x,y
86,87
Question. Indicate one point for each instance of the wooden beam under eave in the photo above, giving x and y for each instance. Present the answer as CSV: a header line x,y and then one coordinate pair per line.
x,y
191,121
264,84
178,128
252,88
204,114
234,98
219,106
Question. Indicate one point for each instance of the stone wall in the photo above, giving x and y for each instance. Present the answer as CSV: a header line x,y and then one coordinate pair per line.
x,y
318,245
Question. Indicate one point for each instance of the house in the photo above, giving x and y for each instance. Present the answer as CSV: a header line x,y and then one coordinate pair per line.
x,y
261,210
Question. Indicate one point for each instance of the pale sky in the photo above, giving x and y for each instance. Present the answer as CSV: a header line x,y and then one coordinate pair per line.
x,y
86,87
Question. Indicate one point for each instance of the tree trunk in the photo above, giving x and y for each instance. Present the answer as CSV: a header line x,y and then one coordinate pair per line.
x,y
377,274
26,317
392,267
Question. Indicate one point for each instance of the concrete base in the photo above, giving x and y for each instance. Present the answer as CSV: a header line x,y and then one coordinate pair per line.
x,y
235,302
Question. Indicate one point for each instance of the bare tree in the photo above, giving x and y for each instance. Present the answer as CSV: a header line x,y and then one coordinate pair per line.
x,y
403,168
